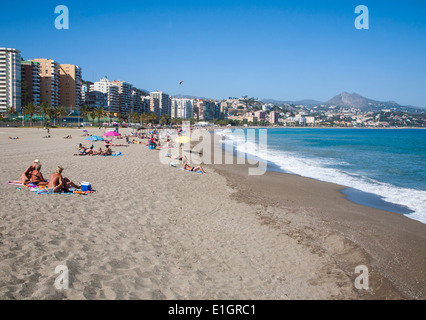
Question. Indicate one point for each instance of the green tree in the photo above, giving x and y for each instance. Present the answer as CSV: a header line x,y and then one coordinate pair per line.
x,y
99,112
30,109
85,110
60,113
44,107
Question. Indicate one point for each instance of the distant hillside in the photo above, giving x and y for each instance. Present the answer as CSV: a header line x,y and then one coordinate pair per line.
x,y
305,102
354,100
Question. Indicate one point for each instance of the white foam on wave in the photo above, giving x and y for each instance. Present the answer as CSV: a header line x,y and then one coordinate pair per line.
x,y
316,168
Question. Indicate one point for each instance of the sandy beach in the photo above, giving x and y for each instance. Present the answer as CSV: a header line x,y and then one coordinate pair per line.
x,y
152,231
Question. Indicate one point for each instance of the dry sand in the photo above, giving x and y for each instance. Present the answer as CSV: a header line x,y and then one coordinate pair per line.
x,y
151,231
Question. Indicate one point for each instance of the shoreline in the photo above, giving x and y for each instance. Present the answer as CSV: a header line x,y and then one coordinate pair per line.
x,y
382,238
152,232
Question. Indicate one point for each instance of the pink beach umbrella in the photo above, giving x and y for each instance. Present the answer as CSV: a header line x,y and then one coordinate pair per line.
x,y
112,134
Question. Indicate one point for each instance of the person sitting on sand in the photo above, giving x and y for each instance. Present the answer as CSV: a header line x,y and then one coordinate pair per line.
x,y
193,169
26,176
59,184
107,151
98,153
37,176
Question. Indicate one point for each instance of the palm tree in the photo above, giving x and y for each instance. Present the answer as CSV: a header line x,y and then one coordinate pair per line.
x,y
51,113
30,109
44,107
61,113
92,114
10,111
99,112
85,110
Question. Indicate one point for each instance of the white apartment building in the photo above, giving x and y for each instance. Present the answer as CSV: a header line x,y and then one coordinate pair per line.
x,y
112,92
160,103
182,108
10,79
125,91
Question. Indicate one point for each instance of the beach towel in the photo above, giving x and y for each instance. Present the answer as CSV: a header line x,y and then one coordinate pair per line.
x,y
191,171
115,155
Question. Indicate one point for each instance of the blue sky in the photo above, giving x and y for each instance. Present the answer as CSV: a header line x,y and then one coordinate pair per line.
x,y
284,50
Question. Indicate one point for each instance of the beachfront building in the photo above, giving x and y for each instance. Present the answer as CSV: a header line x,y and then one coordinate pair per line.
x,y
30,82
160,103
310,121
182,108
260,115
206,109
10,79
112,93
50,84
273,117
138,105
71,81
96,99
84,91
125,91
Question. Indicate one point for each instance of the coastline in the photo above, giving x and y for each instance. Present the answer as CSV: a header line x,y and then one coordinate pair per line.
x,y
153,232
388,243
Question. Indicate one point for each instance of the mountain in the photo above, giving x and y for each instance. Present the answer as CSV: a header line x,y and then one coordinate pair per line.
x,y
354,100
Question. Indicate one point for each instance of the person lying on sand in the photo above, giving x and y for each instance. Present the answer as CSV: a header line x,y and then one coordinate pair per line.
x,y
26,176
98,153
60,184
193,169
37,176
68,137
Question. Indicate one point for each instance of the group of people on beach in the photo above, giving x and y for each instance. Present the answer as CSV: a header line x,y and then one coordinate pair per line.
x,y
84,151
55,183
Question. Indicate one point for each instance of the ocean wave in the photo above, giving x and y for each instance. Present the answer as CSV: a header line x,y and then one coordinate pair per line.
x,y
319,169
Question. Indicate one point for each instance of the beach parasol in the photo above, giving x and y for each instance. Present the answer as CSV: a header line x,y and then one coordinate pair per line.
x,y
95,138
112,134
182,139
84,130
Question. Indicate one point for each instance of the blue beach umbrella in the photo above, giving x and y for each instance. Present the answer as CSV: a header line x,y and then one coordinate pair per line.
x,y
95,138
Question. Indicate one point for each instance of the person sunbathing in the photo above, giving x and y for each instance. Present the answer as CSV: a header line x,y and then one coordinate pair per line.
x,y
192,169
107,151
59,184
98,153
37,177
26,175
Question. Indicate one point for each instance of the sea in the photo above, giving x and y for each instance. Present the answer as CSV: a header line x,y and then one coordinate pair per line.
x,y
381,168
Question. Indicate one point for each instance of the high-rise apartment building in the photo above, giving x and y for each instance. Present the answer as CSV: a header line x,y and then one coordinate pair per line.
x,y
273,117
10,79
112,92
125,91
160,103
182,108
206,110
50,82
70,82
30,82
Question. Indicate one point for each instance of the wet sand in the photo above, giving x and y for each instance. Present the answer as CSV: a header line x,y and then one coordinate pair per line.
x,y
152,231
